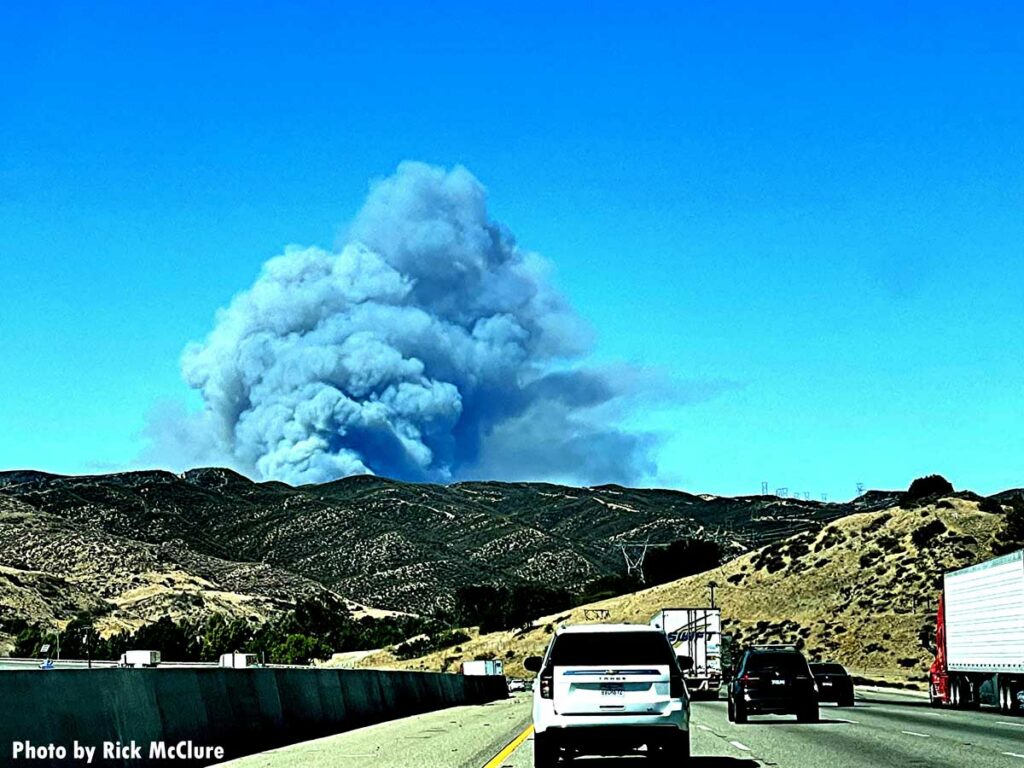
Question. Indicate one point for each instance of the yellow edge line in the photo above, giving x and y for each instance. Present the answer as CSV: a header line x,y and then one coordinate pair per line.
x,y
511,747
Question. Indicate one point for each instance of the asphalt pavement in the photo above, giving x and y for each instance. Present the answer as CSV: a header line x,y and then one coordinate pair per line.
x,y
883,729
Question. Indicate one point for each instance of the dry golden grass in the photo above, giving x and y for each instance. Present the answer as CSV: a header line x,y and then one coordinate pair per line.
x,y
860,591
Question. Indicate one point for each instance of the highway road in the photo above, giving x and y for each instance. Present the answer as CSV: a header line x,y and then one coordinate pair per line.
x,y
884,729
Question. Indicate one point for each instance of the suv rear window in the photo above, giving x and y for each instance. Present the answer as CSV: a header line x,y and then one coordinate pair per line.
x,y
604,648
786,663
828,669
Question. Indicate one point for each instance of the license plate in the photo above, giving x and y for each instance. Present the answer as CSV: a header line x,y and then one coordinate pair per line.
x,y
826,685
611,690
778,682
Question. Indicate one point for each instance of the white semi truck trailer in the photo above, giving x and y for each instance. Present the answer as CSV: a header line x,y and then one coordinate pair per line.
x,y
697,633
139,659
483,667
979,634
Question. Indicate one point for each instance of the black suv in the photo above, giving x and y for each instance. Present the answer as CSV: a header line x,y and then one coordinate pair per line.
x,y
773,679
834,683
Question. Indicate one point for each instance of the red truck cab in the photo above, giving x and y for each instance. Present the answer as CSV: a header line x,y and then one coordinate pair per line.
x,y
938,675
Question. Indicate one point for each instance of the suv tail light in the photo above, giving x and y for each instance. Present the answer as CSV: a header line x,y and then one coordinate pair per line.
x,y
749,679
677,686
547,683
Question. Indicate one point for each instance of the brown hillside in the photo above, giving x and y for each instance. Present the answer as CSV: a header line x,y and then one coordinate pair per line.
x,y
861,591
51,571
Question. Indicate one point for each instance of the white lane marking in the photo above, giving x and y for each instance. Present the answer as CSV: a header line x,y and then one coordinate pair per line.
x,y
844,720
1013,754
915,733
703,727
1015,725
740,745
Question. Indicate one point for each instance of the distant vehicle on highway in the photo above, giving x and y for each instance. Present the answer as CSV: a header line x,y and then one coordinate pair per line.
x,y
834,683
139,659
697,633
979,637
515,685
773,679
483,667
238,660
608,689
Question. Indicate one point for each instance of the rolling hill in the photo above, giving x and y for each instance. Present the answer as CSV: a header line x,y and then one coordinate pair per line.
x,y
861,591
130,547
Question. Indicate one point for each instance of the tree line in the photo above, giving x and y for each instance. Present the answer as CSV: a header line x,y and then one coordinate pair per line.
x,y
313,629
499,607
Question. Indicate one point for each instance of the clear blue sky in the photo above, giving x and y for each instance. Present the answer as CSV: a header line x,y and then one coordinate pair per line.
x,y
823,206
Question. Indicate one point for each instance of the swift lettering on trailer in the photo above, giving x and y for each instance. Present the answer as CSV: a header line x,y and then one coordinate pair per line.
x,y
683,636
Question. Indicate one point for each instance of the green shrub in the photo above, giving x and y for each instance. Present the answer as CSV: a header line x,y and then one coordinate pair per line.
x,y
927,533
877,523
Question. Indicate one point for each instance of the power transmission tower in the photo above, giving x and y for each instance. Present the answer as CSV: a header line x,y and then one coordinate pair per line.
x,y
634,555
824,497
807,495
764,487
782,493
860,489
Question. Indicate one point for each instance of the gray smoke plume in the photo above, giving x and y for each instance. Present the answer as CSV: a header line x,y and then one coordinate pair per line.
x,y
430,347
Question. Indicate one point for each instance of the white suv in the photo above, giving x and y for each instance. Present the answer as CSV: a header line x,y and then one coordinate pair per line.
x,y
609,689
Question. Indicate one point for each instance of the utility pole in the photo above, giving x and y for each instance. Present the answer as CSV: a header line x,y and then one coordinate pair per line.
x,y
712,585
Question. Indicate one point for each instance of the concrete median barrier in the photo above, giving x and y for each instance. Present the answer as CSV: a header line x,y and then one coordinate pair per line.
x,y
134,718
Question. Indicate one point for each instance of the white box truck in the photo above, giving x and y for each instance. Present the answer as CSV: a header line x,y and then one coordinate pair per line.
x,y
697,633
979,634
139,659
483,667
238,660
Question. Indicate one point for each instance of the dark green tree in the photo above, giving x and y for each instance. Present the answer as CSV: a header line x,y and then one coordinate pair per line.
x,y
1011,537
299,649
930,485
680,559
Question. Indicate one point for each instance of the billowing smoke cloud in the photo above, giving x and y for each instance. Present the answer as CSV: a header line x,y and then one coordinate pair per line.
x,y
430,347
